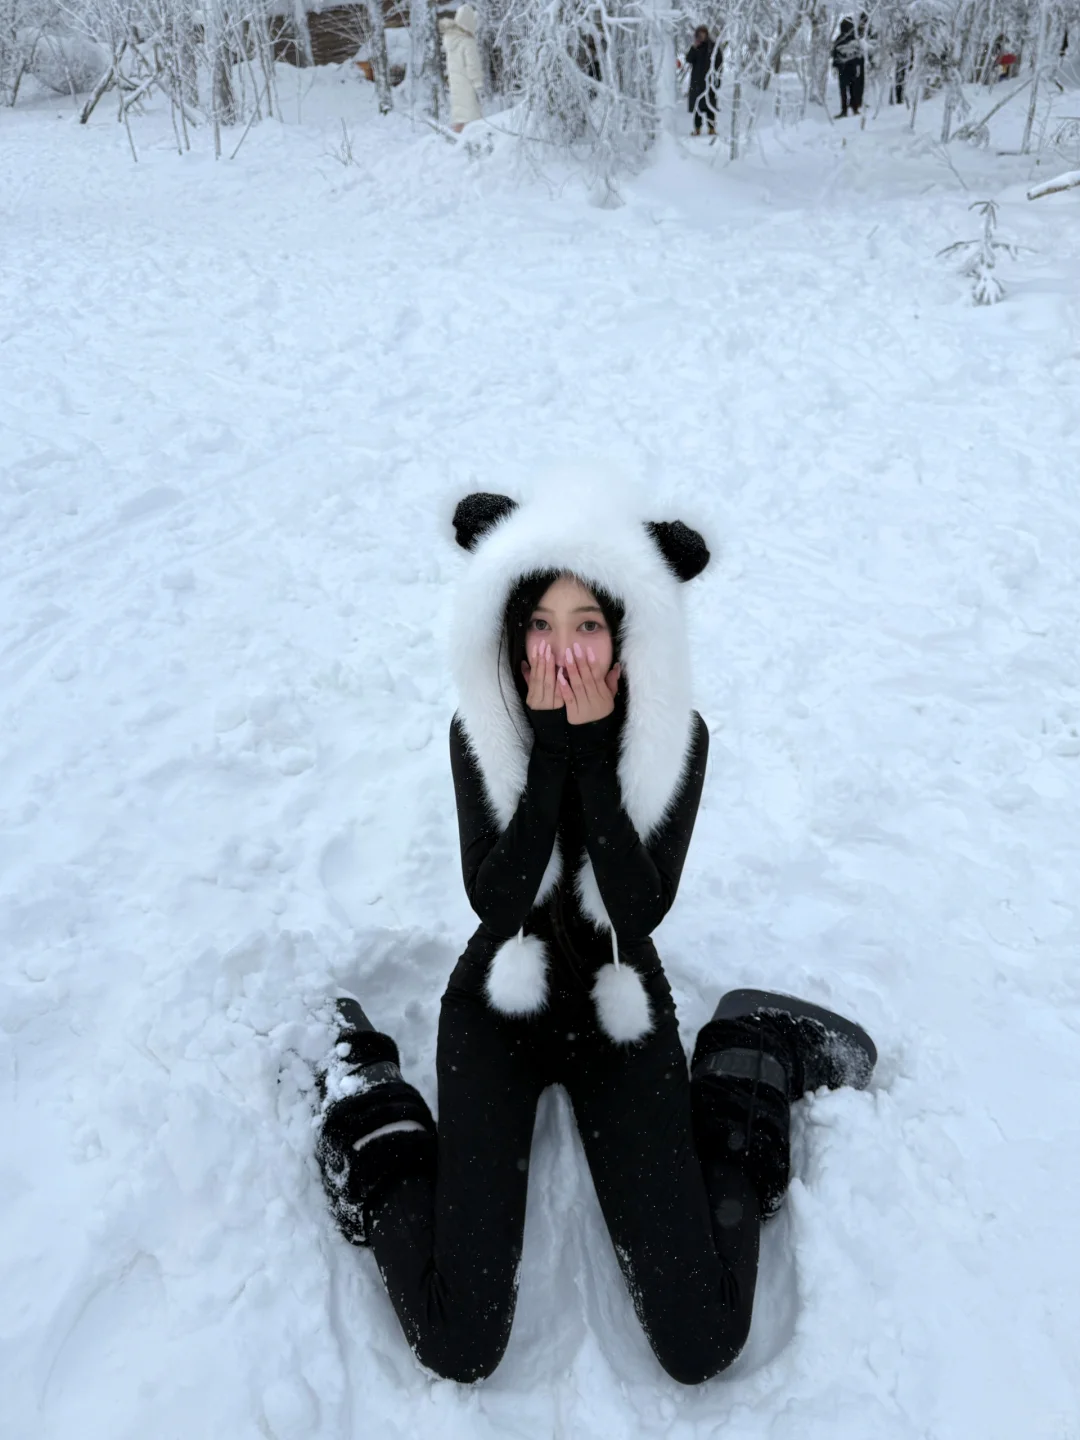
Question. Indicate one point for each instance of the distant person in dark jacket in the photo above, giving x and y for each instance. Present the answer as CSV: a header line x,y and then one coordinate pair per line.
x,y
850,67
706,61
865,36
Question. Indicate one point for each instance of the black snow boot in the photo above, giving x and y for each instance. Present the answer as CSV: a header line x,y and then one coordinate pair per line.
x,y
375,1126
760,1053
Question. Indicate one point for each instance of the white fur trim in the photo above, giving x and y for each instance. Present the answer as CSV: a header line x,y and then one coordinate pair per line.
x,y
551,876
589,897
593,527
396,1127
517,978
622,1005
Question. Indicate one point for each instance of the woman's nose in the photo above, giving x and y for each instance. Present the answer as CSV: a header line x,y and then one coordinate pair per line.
x,y
564,640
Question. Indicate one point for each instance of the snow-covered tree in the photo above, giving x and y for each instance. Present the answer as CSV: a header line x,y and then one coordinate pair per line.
x,y
586,77
25,26
591,79
213,62
979,256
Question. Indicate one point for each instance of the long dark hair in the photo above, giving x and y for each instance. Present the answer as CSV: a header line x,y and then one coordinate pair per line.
x,y
523,600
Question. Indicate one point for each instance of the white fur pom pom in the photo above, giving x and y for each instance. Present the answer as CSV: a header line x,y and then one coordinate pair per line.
x,y
622,1005
517,979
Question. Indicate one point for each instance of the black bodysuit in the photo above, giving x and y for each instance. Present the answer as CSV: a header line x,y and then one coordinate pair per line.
x,y
572,795
685,1230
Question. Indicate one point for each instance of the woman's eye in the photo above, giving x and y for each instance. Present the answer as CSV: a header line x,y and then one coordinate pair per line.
x,y
591,627
537,624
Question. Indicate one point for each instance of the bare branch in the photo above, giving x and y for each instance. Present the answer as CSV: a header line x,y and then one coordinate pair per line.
x,y
1069,181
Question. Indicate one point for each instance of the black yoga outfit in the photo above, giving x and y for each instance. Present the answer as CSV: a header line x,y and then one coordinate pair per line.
x,y
685,1233
572,795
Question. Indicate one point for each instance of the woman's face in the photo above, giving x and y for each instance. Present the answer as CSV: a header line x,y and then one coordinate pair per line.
x,y
567,615
700,36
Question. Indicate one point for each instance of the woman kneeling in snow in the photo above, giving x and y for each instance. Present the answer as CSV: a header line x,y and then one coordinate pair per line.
x,y
578,765
463,69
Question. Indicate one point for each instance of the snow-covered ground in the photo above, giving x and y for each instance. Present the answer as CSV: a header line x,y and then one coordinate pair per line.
x,y
238,402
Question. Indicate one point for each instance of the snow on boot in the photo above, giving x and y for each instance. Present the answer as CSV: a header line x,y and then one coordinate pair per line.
x,y
827,1048
375,1126
760,1053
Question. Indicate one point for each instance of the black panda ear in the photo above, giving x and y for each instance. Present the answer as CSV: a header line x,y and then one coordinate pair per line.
x,y
476,514
684,549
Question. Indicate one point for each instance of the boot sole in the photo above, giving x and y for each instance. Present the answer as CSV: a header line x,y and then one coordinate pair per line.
x,y
843,1054
350,1019
351,1015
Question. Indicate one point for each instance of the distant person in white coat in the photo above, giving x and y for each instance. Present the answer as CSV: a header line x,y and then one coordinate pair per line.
x,y
463,67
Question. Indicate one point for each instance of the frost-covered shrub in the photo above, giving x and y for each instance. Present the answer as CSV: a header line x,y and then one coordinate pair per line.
x,y
586,79
590,79
22,24
68,64
979,257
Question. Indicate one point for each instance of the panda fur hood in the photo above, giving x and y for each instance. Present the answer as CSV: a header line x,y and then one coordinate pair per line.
x,y
599,534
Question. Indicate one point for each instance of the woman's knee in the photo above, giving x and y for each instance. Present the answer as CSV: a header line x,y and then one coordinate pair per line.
x,y
465,1354
699,1353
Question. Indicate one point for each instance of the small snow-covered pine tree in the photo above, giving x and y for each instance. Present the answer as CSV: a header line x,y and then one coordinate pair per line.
x,y
980,256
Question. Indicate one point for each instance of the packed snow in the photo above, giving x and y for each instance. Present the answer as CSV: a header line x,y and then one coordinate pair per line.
x,y
239,401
